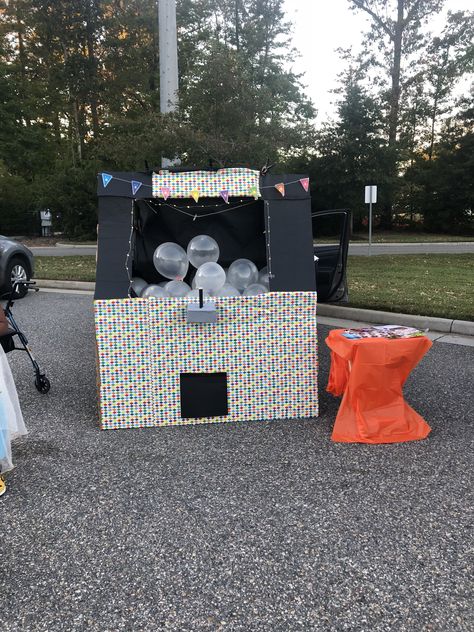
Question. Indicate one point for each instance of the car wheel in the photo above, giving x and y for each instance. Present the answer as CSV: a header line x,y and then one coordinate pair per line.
x,y
16,271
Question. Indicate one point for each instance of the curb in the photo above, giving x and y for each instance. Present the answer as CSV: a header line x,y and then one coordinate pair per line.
x,y
66,285
408,244
444,325
59,245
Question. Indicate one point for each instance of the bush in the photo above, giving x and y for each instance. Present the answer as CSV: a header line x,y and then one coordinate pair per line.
x,y
18,215
70,193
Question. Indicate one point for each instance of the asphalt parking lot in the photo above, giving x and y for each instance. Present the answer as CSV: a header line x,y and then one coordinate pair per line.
x,y
249,527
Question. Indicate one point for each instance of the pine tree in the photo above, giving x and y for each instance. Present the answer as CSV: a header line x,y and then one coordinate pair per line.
x,y
397,37
351,151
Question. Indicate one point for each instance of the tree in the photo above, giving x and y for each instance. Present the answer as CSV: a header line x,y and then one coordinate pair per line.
x,y
428,100
238,101
396,34
81,84
350,151
450,56
443,183
448,177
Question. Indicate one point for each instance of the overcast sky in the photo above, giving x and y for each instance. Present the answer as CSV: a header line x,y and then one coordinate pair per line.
x,y
321,26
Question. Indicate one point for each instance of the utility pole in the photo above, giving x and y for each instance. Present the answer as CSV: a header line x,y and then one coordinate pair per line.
x,y
168,43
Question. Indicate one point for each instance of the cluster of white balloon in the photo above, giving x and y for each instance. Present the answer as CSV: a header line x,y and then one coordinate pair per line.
x,y
172,262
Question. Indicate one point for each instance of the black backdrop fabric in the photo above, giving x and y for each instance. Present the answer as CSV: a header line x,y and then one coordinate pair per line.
x,y
273,230
239,233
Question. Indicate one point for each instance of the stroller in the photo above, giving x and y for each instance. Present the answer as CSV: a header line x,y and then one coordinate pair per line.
x,y
15,336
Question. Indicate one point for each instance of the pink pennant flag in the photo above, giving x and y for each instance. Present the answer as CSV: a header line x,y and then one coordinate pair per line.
x,y
225,196
304,183
280,187
165,192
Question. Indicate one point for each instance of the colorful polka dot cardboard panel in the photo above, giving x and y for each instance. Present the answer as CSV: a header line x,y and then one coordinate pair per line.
x,y
265,344
124,363
189,184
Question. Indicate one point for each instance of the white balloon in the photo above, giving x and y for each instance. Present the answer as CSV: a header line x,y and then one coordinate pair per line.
x,y
138,285
202,249
227,290
154,291
242,273
263,277
210,276
171,261
254,289
195,287
177,288
163,283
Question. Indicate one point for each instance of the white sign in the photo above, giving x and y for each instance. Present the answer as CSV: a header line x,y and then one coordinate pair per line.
x,y
371,194
46,217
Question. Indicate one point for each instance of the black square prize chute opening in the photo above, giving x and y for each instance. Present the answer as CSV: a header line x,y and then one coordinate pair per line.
x,y
239,232
203,395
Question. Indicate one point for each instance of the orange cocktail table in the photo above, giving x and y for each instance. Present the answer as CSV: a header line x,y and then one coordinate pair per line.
x,y
370,374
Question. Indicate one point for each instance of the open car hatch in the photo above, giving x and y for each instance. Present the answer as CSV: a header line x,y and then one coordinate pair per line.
x,y
331,232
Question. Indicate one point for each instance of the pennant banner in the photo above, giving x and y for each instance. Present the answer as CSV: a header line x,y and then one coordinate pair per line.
x,y
195,195
304,183
106,178
165,192
280,187
225,196
253,192
135,186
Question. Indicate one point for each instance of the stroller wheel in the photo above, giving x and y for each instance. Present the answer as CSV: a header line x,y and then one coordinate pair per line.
x,y
42,383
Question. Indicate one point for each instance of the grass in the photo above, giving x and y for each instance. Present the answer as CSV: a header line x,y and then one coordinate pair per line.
x,y
80,268
394,237
431,285
406,237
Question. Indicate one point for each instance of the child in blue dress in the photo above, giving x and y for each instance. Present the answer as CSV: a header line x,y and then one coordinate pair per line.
x,y
11,419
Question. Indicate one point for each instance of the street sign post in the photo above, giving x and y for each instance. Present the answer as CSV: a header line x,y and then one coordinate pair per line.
x,y
370,198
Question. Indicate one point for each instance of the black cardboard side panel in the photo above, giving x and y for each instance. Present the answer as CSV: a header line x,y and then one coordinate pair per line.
x,y
290,235
112,248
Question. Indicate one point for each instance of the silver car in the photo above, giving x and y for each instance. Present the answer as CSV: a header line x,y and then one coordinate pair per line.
x,y
16,264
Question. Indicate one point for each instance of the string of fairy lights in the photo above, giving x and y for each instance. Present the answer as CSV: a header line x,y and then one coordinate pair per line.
x,y
130,248
195,216
187,209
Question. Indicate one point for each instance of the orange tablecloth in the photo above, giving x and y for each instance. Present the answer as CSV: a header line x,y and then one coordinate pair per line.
x,y
370,374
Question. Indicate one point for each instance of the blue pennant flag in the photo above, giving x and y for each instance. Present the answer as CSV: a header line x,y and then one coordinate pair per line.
x,y
106,178
135,186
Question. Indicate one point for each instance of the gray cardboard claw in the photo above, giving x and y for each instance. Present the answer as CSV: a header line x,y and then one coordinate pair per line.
x,y
205,314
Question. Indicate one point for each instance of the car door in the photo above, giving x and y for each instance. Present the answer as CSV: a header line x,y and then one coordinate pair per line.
x,y
331,232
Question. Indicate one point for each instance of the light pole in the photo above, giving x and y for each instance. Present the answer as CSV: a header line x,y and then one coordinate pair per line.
x,y
168,47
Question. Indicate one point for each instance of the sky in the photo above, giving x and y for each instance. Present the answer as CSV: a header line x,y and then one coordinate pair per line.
x,y
322,26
